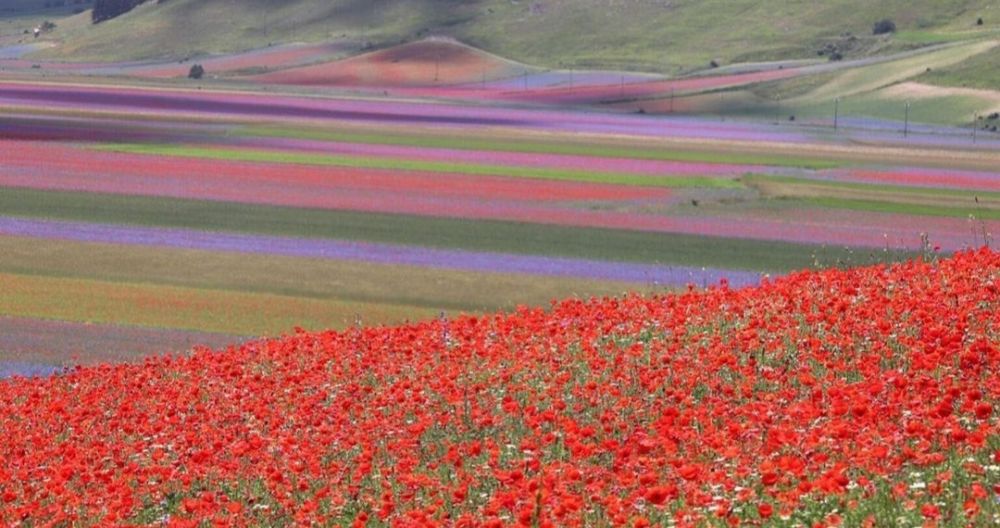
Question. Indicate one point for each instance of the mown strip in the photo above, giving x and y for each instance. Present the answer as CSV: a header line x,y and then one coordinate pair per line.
x,y
157,306
345,281
476,235
919,201
369,162
539,146
875,206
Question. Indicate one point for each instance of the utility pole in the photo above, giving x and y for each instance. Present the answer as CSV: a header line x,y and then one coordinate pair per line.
x,y
975,125
671,99
906,120
836,112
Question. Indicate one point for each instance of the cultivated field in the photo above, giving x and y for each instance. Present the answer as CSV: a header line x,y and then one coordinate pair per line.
x,y
239,213
383,277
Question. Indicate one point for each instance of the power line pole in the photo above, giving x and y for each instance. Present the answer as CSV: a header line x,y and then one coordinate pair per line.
x,y
836,113
906,120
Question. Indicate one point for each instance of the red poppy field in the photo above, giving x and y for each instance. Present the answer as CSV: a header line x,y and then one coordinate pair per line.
x,y
862,397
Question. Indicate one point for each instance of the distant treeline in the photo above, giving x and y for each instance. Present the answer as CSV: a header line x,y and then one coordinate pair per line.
x,y
108,9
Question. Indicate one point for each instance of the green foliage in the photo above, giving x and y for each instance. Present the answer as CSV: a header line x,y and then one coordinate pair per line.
x,y
884,26
197,72
108,9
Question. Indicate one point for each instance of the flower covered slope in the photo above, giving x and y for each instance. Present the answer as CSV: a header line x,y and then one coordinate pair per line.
x,y
864,397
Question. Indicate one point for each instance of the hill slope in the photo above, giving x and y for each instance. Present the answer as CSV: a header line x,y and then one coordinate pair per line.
x,y
863,397
652,35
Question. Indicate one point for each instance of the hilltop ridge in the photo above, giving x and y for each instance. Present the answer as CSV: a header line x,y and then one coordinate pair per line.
x,y
656,36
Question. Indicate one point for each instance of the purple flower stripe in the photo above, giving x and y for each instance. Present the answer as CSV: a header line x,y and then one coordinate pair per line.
x,y
38,347
9,369
387,111
375,253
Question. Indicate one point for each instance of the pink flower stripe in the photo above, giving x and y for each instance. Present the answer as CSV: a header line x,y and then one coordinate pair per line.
x,y
67,167
452,196
923,177
613,91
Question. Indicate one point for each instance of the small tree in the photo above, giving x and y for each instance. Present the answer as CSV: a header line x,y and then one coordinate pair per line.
x,y
108,9
884,26
979,21
196,72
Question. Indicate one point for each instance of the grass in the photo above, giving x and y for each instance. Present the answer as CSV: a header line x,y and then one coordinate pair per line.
x,y
321,279
868,78
480,235
981,71
366,162
947,110
720,154
158,306
942,202
869,91
649,36
883,206
890,199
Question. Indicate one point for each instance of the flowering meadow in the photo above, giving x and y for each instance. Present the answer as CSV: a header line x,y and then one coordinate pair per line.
x,y
858,397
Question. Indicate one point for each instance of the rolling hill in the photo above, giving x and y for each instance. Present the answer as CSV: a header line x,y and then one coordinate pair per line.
x,y
668,36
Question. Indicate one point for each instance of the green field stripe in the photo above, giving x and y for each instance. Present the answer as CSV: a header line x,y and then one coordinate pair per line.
x,y
720,156
875,206
919,201
325,279
458,233
901,190
157,306
368,162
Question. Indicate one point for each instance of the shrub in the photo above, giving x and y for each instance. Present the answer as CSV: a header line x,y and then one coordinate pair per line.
x,y
196,72
108,9
884,26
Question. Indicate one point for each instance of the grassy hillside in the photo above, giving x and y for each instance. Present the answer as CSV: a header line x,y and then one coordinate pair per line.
x,y
981,71
653,35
